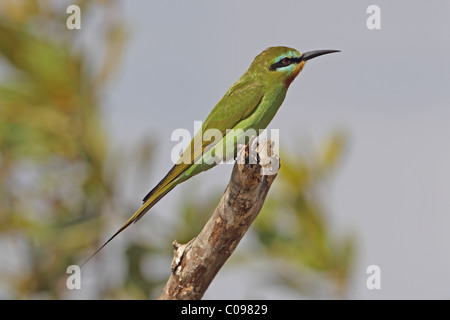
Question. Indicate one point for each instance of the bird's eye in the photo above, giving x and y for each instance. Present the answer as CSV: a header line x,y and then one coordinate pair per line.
x,y
282,63
286,61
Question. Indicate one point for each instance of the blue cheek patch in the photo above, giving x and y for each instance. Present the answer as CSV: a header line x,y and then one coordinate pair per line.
x,y
290,68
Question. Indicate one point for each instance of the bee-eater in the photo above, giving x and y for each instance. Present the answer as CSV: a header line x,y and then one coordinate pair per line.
x,y
250,103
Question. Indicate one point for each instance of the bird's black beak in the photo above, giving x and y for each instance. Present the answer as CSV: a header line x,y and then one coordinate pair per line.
x,y
313,54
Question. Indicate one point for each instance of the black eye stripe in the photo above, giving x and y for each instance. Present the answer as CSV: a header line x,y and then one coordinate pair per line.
x,y
284,63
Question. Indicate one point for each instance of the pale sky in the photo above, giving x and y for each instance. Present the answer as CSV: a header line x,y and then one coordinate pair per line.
x,y
388,90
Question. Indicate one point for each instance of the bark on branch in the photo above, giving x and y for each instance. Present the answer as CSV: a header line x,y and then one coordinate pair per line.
x,y
196,263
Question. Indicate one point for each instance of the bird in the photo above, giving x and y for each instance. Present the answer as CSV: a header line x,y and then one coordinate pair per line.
x,y
250,103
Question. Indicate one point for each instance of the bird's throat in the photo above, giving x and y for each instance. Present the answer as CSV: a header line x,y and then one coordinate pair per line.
x,y
294,73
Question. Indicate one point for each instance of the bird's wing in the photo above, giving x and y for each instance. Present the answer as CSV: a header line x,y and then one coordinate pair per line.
x,y
237,104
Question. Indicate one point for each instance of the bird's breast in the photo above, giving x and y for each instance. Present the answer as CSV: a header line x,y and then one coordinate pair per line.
x,y
269,106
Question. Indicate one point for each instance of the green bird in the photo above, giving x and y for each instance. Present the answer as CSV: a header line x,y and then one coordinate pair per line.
x,y
251,103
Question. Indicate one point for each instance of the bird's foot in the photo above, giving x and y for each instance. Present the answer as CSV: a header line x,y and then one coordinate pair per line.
x,y
259,153
248,154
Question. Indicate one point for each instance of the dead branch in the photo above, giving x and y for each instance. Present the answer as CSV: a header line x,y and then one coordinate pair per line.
x,y
196,263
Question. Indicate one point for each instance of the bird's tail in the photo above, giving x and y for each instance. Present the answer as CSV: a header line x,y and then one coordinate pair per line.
x,y
168,183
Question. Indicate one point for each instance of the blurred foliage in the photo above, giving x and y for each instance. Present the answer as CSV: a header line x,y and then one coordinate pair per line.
x,y
52,143
60,185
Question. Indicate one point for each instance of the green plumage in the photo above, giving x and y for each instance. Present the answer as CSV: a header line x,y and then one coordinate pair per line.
x,y
251,103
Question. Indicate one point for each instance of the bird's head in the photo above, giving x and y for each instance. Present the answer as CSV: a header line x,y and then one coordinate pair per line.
x,y
283,63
